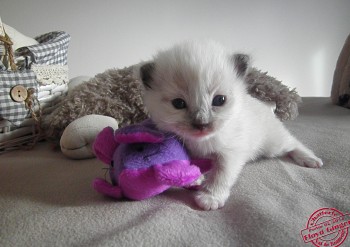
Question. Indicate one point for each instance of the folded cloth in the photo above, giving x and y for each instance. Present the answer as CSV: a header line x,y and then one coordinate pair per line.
x,y
18,39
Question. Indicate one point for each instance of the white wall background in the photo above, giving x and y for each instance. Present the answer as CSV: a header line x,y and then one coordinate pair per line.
x,y
296,41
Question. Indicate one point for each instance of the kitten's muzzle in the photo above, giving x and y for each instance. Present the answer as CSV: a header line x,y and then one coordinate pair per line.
x,y
201,126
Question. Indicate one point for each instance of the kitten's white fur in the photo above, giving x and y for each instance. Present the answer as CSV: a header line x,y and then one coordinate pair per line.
x,y
240,130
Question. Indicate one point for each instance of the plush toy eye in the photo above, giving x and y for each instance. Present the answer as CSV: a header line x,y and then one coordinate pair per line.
x,y
219,100
179,103
139,147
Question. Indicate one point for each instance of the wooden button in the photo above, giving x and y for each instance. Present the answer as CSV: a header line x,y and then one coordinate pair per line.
x,y
19,93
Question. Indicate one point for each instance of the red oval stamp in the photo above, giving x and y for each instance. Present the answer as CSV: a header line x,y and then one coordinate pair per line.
x,y
326,227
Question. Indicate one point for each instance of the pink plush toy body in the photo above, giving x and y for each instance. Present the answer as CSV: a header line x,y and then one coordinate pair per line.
x,y
143,162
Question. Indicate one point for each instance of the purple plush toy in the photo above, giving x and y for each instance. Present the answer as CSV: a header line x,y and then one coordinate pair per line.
x,y
143,162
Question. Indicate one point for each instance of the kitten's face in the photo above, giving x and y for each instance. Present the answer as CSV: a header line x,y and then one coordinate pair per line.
x,y
192,89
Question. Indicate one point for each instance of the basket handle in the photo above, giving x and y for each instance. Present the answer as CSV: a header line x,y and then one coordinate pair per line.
x,y
8,47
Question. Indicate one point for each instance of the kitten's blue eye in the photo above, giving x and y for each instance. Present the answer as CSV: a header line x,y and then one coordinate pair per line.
x,y
179,103
219,100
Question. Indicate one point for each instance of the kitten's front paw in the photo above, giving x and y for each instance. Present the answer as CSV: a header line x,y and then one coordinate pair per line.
x,y
208,201
307,160
196,185
313,162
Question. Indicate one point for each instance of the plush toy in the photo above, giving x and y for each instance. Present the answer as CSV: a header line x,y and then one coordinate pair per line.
x,y
143,162
77,139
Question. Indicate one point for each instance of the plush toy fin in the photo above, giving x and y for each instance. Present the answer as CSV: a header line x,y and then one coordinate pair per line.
x,y
204,164
139,133
105,145
177,173
105,188
140,184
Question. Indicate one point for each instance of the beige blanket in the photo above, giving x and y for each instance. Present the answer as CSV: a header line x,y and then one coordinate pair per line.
x,y
47,199
340,93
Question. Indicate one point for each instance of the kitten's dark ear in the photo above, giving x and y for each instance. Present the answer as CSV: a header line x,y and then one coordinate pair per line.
x,y
241,63
146,72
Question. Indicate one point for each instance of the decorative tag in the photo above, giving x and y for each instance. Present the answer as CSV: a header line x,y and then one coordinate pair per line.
x,y
2,32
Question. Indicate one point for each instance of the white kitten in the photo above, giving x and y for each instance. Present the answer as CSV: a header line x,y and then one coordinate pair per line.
x,y
197,91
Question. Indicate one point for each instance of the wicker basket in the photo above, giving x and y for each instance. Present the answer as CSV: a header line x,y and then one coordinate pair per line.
x,y
48,62
28,132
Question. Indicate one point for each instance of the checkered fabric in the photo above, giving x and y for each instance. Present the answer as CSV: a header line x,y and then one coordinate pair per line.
x,y
15,112
2,66
2,50
2,56
52,49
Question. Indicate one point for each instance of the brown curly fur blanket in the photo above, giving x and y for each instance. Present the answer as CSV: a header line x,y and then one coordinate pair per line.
x,y
114,93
